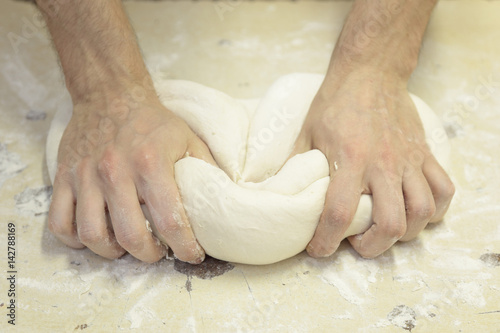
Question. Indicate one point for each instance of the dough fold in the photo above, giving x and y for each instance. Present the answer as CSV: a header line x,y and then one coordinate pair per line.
x,y
255,208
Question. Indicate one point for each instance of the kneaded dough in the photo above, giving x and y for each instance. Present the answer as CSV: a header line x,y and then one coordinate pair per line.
x,y
255,208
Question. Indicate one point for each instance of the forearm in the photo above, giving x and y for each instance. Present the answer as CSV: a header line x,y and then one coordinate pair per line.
x,y
382,36
97,47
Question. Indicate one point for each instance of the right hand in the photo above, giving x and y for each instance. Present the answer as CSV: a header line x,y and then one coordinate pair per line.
x,y
115,156
369,130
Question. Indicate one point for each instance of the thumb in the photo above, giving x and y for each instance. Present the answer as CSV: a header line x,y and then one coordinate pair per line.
x,y
302,144
200,150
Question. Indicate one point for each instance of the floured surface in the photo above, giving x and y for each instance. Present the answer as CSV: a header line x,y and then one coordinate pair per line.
x,y
447,277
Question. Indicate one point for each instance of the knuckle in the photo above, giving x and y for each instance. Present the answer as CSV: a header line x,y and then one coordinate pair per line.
x,y
64,171
322,249
365,254
387,154
388,171
88,235
83,168
147,160
427,211
57,227
423,210
445,190
130,241
364,250
168,226
114,254
338,214
354,152
368,251
395,228
108,166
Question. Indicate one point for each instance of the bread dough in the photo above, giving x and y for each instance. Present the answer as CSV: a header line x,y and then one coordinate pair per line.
x,y
255,208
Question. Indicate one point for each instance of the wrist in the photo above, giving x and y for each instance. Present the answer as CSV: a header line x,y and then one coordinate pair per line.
x,y
382,36
95,84
97,49
362,79
385,61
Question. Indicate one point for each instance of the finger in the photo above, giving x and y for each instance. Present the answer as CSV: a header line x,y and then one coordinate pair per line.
x,y
170,220
441,186
93,228
62,214
129,224
389,220
342,198
419,203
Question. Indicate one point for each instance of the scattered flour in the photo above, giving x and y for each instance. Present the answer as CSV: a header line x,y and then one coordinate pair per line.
x,y
349,275
140,311
470,293
34,201
403,316
10,164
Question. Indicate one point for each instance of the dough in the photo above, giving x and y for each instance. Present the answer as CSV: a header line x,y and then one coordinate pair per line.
x,y
254,209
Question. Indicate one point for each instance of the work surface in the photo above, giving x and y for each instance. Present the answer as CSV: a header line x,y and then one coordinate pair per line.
x,y
447,280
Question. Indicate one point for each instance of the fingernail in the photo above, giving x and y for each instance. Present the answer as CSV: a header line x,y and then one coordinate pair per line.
x,y
200,255
201,252
196,261
320,254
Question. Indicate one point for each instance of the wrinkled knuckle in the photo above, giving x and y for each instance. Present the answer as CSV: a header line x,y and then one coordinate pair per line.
x,y
83,168
168,227
57,227
108,166
365,252
424,210
407,238
354,152
147,161
130,241
427,210
63,171
338,215
446,190
115,254
388,155
395,229
89,236
321,249
389,171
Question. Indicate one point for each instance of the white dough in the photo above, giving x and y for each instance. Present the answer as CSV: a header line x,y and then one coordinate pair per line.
x,y
247,211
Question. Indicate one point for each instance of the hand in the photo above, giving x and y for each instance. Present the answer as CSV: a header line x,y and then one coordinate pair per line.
x,y
368,127
113,157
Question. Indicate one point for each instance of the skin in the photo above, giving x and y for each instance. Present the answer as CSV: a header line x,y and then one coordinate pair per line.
x,y
121,144
365,123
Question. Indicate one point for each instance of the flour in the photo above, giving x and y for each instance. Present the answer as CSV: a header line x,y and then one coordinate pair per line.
x,y
403,316
471,293
10,164
348,274
34,201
